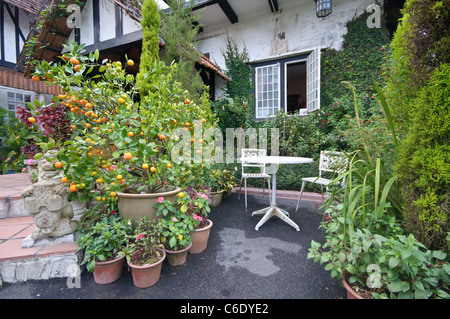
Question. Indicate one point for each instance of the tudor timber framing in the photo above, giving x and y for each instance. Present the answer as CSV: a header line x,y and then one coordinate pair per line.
x,y
14,16
223,4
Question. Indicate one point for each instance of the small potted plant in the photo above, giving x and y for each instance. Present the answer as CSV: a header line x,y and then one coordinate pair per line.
x,y
145,254
176,237
103,235
177,226
196,204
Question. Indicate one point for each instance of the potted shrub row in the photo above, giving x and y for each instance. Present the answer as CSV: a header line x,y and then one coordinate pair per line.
x,y
107,239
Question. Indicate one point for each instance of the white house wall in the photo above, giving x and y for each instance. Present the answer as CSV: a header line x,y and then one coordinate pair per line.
x,y
9,32
303,31
107,23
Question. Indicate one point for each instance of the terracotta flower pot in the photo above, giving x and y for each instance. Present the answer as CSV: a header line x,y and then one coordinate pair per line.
x,y
200,238
351,294
106,272
135,206
147,275
177,257
216,198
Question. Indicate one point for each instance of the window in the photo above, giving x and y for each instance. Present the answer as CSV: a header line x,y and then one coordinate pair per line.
x,y
291,84
267,90
313,81
11,98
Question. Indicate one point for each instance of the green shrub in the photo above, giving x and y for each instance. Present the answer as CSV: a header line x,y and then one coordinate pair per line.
x,y
424,162
150,44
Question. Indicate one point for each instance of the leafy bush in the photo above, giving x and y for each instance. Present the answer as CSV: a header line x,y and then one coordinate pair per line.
x,y
424,162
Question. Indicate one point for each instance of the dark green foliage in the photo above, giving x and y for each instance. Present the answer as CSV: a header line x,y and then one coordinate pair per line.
x,y
424,162
239,70
150,45
360,62
179,28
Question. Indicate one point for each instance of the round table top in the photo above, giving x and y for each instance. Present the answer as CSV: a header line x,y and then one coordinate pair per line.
x,y
276,159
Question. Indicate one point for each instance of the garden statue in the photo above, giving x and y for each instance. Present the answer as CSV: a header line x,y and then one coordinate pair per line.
x,y
47,202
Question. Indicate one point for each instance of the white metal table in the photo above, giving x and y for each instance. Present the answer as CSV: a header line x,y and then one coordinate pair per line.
x,y
273,209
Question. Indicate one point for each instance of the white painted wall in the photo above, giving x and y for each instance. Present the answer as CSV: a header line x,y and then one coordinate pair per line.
x,y
25,20
302,29
107,23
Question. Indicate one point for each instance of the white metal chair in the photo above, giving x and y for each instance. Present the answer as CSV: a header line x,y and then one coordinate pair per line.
x,y
250,152
330,161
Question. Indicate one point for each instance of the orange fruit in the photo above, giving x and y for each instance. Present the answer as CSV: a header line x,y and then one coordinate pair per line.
x,y
77,67
174,121
113,194
203,120
152,169
121,100
119,177
73,188
169,165
162,137
74,61
144,166
127,156
58,164
187,101
187,124
118,63
88,105
180,194
200,141
130,134
31,119
88,125
64,179
35,78
130,62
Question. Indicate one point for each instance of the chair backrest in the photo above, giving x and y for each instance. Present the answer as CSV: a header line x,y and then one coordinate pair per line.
x,y
332,161
253,152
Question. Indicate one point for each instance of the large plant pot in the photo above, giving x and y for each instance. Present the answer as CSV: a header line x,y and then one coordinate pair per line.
x,y
177,257
135,206
147,275
106,272
200,239
216,198
351,294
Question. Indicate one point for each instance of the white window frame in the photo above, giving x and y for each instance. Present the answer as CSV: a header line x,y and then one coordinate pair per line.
x,y
313,81
5,101
257,98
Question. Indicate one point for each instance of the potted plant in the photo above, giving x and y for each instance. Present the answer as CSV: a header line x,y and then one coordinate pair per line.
x,y
145,254
196,204
122,142
177,225
365,246
176,238
102,238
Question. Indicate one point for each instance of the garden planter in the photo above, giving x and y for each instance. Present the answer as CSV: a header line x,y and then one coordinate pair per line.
x,y
200,238
351,294
216,198
135,206
147,275
177,257
108,271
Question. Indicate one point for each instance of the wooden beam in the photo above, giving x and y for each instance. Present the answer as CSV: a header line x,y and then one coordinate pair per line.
x,y
228,10
273,5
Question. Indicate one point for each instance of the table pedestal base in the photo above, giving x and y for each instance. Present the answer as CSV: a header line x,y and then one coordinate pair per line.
x,y
271,211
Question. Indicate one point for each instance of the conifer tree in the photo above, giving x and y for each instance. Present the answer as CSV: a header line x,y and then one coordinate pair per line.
x,y
150,24
179,28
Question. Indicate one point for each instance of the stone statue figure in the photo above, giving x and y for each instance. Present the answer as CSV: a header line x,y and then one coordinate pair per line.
x,y
47,202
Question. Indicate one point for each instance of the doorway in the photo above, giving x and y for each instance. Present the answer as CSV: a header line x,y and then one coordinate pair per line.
x,y
296,87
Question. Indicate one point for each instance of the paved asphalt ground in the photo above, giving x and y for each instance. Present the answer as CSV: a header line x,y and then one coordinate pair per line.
x,y
239,263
